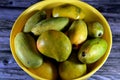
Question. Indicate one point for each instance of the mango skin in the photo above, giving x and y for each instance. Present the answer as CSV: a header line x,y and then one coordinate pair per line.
x,y
92,50
33,20
54,44
69,11
50,24
95,29
72,68
78,32
47,70
26,51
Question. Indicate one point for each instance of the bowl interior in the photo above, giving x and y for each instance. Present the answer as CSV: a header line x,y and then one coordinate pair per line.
x,y
91,15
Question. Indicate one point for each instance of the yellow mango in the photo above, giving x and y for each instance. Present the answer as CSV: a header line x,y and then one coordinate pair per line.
x,y
69,11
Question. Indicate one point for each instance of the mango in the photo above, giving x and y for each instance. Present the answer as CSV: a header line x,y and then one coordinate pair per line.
x,y
95,29
54,44
78,32
50,24
33,20
72,68
26,51
47,70
69,11
92,50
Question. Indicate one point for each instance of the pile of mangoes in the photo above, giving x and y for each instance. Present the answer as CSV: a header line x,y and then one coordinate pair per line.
x,y
59,43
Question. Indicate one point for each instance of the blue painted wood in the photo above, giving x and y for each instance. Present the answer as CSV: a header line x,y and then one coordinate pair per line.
x,y
11,9
17,3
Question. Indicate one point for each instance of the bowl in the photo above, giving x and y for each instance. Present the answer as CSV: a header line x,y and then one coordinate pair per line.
x,y
91,13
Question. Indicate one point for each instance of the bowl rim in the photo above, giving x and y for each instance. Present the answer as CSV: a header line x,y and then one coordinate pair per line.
x,y
44,3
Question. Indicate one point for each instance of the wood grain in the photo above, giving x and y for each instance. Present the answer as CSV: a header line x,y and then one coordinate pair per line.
x,y
17,3
11,9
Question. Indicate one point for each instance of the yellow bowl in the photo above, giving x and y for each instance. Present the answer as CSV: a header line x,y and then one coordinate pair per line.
x,y
91,15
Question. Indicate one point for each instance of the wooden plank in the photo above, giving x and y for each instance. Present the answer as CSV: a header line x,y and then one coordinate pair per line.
x,y
13,74
6,24
8,15
5,32
7,62
110,70
4,43
104,77
110,2
100,1
9,70
109,6
17,3
101,5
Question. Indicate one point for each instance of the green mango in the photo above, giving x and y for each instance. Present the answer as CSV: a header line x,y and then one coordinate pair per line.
x,y
50,24
78,32
92,50
33,20
72,68
95,29
69,11
26,51
54,44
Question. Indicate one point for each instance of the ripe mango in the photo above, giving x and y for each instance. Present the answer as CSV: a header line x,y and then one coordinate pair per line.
x,y
78,32
72,68
26,50
50,24
69,11
92,50
54,44
47,70
33,20
95,29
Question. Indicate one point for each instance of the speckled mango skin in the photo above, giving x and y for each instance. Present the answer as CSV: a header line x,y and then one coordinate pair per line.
x,y
69,11
72,65
54,44
33,20
95,29
50,24
26,51
92,50
78,32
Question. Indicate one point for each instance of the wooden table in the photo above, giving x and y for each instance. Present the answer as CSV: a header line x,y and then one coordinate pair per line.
x,y
11,9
